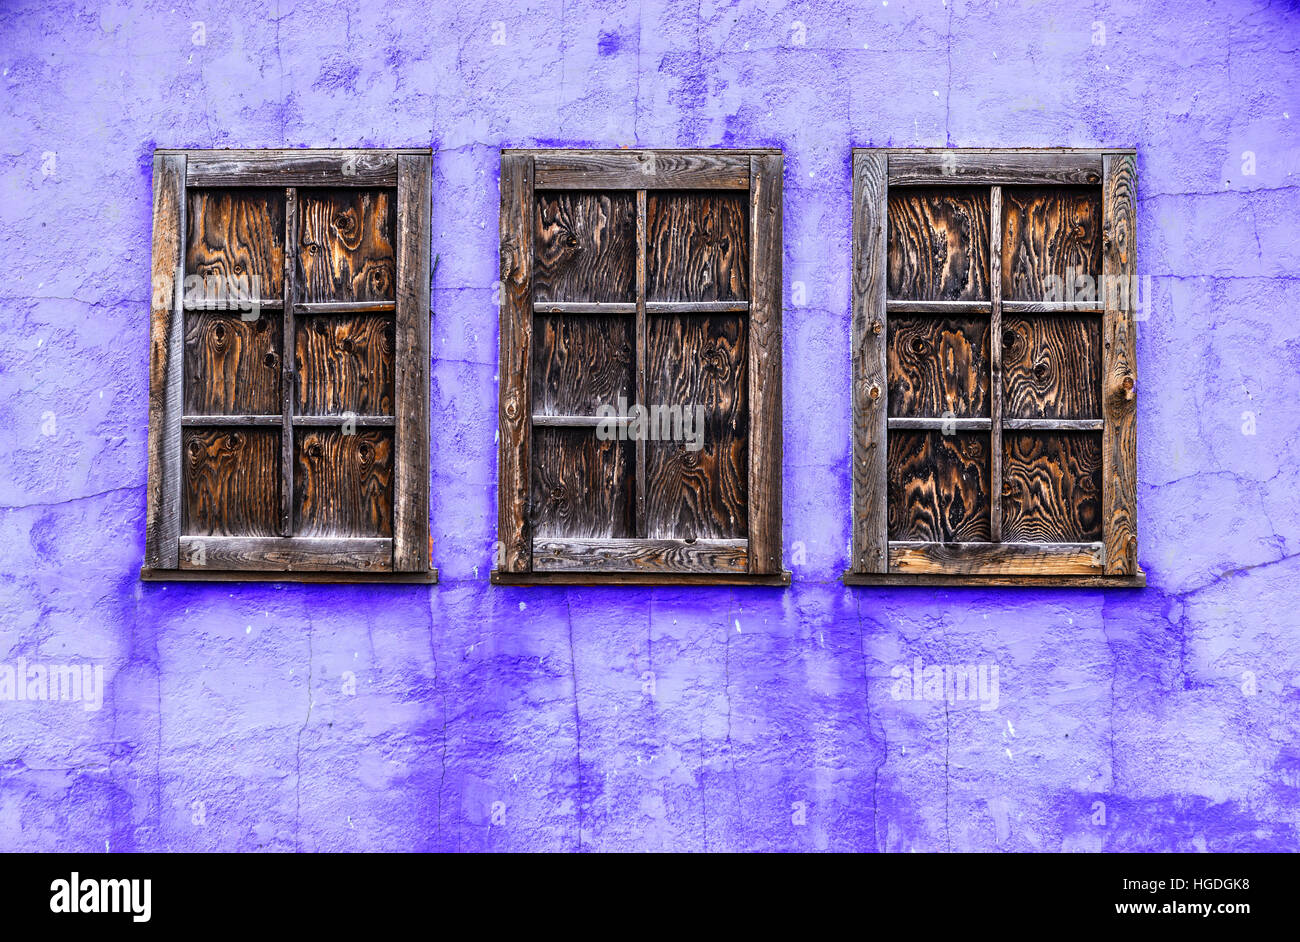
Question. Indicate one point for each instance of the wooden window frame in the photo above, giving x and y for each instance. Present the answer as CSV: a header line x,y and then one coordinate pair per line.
x,y
1112,562
754,561
405,557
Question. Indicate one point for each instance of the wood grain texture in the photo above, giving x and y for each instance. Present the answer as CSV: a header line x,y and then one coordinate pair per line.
x,y
411,544
938,487
582,487
289,362
1048,233
976,582
1052,366
344,364
281,168
262,554
697,246
166,363
939,244
938,365
641,555
1051,487
870,363
1041,559
588,578
345,245
514,363
997,386
232,481
236,236
699,360
343,484
989,168
581,362
585,247
1119,367
643,169
766,224
232,366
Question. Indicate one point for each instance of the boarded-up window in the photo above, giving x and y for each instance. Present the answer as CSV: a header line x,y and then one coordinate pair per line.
x,y
289,362
994,368
640,367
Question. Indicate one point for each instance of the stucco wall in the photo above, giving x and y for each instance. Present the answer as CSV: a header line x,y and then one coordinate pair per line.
x,y
477,717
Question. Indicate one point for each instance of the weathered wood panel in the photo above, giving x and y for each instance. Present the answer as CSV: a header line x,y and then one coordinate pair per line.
x,y
585,247
1050,234
938,487
582,487
939,244
1041,559
345,245
698,361
665,556
870,367
1051,487
938,365
232,481
582,362
281,168
344,364
1052,366
232,366
261,554
644,169
343,484
514,363
992,167
166,363
1119,367
235,237
697,246
997,386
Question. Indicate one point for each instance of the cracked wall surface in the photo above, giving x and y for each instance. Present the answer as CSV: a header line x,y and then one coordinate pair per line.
x,y
468,717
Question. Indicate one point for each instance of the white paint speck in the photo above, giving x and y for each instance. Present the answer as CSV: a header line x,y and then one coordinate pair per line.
x,y
248,629
522,606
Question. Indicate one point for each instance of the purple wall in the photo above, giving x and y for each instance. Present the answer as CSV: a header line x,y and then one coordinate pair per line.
x,y
480,718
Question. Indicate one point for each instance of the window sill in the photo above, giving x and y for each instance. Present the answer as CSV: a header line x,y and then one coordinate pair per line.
x,y
148,574
780,579
934,580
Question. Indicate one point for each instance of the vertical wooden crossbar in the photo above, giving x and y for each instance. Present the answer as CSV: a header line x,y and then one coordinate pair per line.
x,y
516,329
642,338
1119,363
766,293
995,364
288,342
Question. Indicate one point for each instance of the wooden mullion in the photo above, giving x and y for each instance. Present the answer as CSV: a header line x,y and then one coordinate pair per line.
x,y
950,308
516,352
345,307
995,363
870,325
941,425
1119,364
584,307
411,374
166,363
642,338
287,359
640,555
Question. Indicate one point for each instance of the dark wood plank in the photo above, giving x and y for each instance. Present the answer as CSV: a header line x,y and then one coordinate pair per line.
x,y
345,245
1050,234
343,484
615,580
992,167
939,244
235,238
515,359
1055,425
345,364
696,307
636,170
698,361
1043,559
232,419
340,421
940,424
642,340
346,307
977,582
938,365
289,364
1119,367
938,487
767,294
166,363
641,555
585,247
232,365
281,168
995,361
949,308
280,554
697,246
1052,487
581,363
1052,366
582,486
584,307
207,574
232,481
870,369
581,421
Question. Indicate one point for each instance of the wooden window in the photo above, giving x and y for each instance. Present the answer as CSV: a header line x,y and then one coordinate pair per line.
x,y
288,403
994,369
640,280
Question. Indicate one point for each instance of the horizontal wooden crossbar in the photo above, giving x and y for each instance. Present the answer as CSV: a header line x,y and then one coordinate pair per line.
x,y
633,555
338,554
1045,559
